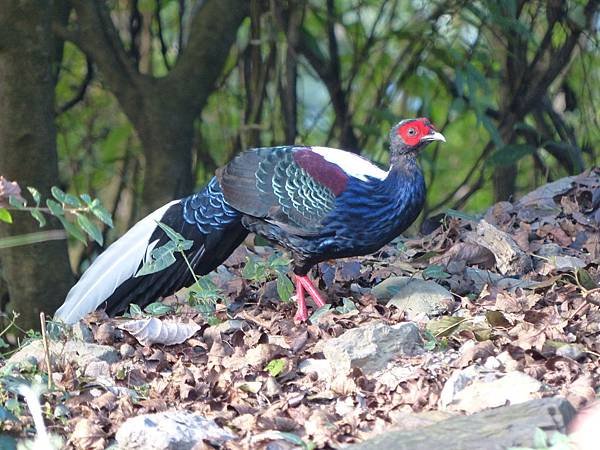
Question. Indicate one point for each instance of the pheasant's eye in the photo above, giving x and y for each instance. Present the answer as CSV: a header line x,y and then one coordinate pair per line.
x,y
411,132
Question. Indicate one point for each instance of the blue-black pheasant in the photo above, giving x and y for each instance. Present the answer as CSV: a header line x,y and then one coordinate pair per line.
x,y
318,203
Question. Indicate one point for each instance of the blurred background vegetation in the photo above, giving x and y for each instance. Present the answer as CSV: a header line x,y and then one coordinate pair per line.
x,y
138,101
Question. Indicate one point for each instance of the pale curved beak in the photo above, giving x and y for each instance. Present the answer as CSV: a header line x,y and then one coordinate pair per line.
x,y
435,136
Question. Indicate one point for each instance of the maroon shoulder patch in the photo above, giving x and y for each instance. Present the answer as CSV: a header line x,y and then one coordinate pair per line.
x,y
327,173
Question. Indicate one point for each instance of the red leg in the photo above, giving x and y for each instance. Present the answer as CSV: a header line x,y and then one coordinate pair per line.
x,y
310,288
302,313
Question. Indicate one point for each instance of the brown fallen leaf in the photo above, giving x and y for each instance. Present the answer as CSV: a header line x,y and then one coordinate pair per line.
x,y
157,331
88,435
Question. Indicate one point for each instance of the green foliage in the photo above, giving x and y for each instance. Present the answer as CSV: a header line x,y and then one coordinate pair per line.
x,y
433,342
557,441
158,309
203,294
164,256
436,272
76,214
259,271
276,366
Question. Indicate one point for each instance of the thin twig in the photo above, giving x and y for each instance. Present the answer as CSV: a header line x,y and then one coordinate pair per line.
x,y
46,349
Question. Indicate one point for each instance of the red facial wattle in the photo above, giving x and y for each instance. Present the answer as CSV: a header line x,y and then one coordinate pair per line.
x,y
413,131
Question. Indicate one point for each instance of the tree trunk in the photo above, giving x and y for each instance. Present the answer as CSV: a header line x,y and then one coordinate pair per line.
x,y
163,109
38,276
167,139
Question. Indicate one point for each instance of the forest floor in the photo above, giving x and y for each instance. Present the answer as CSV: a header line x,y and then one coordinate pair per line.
x,y
512,292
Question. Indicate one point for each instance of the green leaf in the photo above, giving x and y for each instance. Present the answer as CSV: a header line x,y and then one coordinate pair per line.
x,y
37,197
255,270
319,313
17,202
135,310
436,272
276,366
205,290
444,326
160,258
55,208
58,194
90,228
158,309
73,201
72,230
5,215
98,210
285,288
39,216
497,319
279,263
207,308
586,280
509,154
86,198
347,306
181,242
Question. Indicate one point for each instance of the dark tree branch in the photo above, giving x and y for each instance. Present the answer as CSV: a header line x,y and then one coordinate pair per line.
x,y
180,23
89,76
288,88
99,40
161,38
60,16
213,31
135,28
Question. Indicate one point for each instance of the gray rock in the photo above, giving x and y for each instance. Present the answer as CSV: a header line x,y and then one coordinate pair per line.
x,y
496,429
573,351
321,367
98,369
371,347
475,389
80,352
481,277
168,430
126,350
82,332
414,295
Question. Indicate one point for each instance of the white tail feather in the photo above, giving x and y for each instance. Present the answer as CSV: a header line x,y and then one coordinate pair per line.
x,y
116,264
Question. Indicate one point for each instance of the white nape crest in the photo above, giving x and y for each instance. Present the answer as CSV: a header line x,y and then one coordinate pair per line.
x,y
351,163
118,263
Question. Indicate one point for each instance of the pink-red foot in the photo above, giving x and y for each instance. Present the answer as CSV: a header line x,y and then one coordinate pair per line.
x,y
303,283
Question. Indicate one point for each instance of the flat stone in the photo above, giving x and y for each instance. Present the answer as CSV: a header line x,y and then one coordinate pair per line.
x,y
573,351
491,390
371,347
495,429
170,430
414,295
321,367
82,353
98,369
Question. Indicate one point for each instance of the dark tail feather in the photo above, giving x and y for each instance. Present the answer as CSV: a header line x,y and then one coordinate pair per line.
x,y
203,258
205,218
